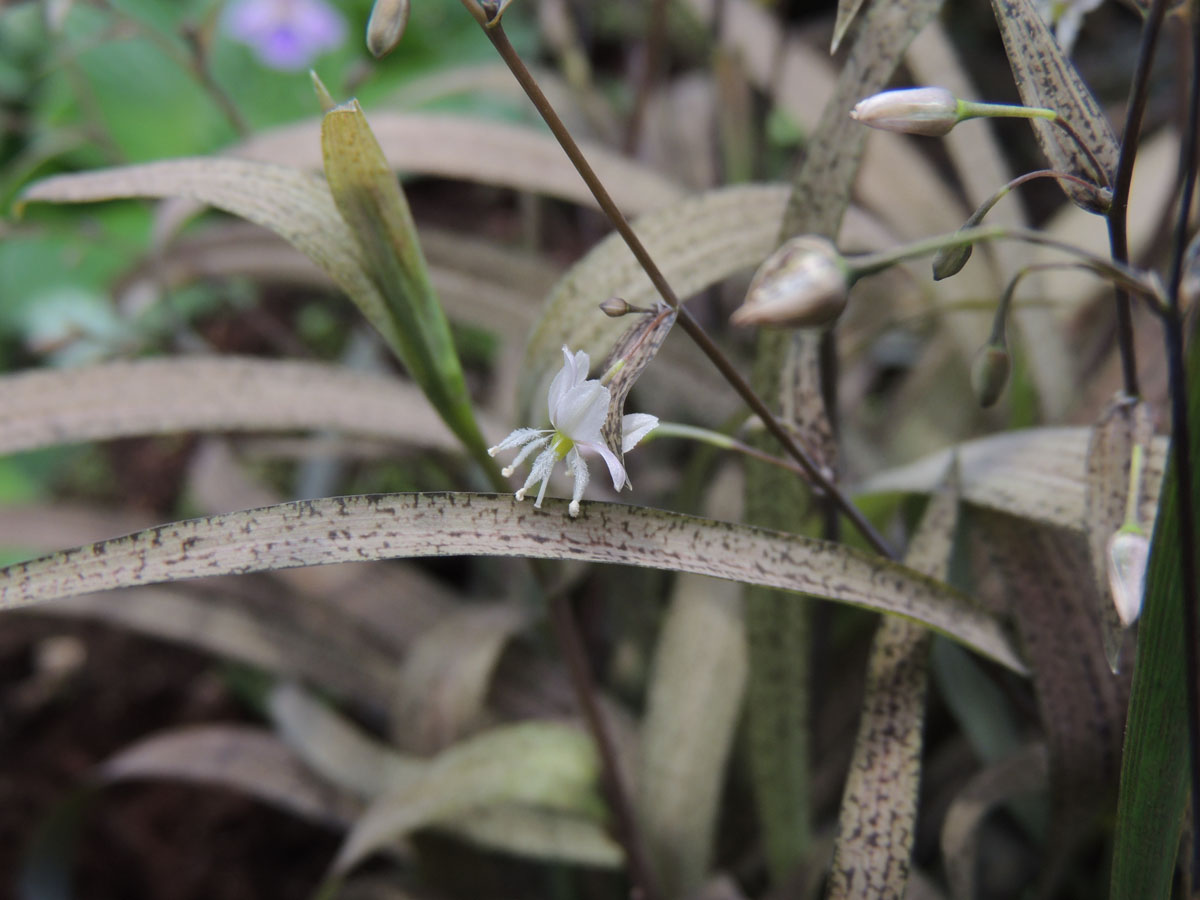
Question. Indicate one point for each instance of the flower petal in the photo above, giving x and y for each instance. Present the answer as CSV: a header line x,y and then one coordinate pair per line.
x,y
582,411
574,371
634,427
616,468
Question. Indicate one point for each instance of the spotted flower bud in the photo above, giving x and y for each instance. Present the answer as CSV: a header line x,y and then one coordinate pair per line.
x,y
1128,553
929,110
989,373
803,284
386,26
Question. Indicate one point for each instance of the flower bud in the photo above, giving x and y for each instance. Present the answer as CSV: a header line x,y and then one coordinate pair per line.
x,y
803,284
1128,553
929,111
386,26
615,307
989,373
950,260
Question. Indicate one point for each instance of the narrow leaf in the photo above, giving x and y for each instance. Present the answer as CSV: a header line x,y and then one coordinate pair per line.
x,y
44,408
444,681
531,763
1038,474
1155,767
245,759
878,820
390,526
692,709
1045,77
372,205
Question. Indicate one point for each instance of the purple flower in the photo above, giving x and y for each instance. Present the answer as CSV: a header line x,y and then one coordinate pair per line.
x,y
286,34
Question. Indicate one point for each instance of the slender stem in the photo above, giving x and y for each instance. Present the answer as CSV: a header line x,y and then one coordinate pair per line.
x,y
1181,432
873,263
1118,213
723,441
693,329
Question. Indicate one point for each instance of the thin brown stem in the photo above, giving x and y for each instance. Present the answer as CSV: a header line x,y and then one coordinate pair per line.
x,y
693,329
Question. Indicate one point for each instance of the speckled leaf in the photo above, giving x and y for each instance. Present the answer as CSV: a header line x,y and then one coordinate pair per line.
x,y
1124,424
47,407
532,763
1041,576
877,824
846,11
1046,77
389,526
1038,474
633,351
778,630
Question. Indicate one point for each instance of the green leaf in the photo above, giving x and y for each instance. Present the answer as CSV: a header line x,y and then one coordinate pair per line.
x,y
373,206
1154,768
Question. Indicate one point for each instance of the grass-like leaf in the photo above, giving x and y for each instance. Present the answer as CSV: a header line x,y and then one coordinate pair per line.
x,y
389,526
878,819
1154,768
44,408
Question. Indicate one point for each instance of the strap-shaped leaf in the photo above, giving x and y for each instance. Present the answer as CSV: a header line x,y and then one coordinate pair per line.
x,y
1046,77
877,823
374,208
48,407
390,526
1038,474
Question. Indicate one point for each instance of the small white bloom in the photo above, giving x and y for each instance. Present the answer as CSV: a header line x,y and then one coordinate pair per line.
x,y
578,409
931,111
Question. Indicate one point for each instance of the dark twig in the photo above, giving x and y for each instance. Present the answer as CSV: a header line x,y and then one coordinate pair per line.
x,y
727,369
1180,429
1118,213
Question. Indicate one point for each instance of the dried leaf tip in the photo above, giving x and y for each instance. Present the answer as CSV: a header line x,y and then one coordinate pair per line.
x,y
929,111
803,284
386,26
1128,554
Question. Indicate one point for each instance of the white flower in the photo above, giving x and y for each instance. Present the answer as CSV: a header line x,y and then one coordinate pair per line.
x,y
578,408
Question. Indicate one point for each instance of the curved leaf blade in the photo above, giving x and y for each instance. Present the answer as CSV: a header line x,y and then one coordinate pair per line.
x,y
389,526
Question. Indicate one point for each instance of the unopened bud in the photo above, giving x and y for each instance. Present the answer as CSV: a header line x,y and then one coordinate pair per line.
x,y
950,260
494,9
803,284
386,26
1128,553
615,307
989,373
930,111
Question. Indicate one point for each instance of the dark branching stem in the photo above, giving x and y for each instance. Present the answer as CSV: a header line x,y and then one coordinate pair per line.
x,y
727,369
1118,214
1181,429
